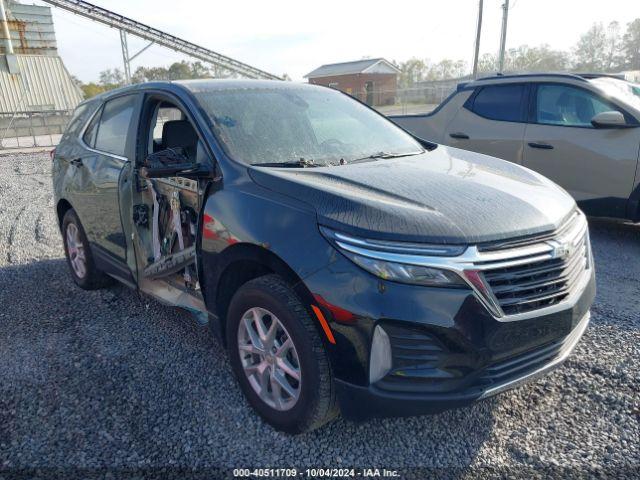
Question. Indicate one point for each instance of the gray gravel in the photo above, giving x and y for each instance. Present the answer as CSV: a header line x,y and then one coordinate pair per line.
x,y
114,380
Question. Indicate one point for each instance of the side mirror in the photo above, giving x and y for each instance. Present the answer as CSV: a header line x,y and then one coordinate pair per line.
x,y
610,119
172,163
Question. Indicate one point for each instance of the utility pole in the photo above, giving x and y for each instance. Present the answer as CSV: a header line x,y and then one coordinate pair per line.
x,y
476,52
503,34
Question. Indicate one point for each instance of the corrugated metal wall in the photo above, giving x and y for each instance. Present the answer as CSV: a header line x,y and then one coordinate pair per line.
x,y
31,29
42,84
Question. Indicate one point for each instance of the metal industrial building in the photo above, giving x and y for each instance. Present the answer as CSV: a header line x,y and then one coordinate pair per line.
x,y
32,75
37,93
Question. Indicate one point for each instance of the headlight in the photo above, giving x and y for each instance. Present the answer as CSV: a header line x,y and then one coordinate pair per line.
x,y
405,273
385,259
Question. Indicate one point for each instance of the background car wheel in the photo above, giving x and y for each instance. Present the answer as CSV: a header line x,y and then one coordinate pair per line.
x,y
79,258
278,358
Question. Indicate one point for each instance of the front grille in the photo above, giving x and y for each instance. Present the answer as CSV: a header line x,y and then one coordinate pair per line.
x,y
517,366
542,277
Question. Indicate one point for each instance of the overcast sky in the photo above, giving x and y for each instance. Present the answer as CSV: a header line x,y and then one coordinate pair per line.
x,y
294,37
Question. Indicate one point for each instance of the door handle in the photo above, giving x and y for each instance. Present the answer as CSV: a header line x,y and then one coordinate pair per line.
x,y
543,146
76,162
459,135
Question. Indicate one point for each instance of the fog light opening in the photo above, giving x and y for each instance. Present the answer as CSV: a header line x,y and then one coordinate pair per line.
x,y
380,360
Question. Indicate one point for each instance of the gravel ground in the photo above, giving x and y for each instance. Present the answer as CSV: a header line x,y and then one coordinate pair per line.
x,y
114,380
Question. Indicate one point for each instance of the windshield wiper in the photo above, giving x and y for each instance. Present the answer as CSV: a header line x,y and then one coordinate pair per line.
x,y
376,156
301,163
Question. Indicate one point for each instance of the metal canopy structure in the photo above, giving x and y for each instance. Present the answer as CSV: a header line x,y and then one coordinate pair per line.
x,y
155,36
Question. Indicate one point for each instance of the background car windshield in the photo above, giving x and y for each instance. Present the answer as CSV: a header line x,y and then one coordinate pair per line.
x,y
621,90
284,125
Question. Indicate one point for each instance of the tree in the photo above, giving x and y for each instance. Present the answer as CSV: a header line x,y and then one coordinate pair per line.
x,y
416,70
91,89
112,78
412,71
631,45
446,69
598,50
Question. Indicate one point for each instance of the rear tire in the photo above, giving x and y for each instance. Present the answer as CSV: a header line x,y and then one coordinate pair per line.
x,y
79,257
289,404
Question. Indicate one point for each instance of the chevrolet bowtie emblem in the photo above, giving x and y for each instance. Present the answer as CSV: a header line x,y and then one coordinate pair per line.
x,y
561,250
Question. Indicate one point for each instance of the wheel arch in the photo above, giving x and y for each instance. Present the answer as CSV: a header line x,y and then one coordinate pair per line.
x,y
228,270
62,207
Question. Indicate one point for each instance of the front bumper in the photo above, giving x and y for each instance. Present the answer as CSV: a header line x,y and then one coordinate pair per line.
x,y
362,402
358,402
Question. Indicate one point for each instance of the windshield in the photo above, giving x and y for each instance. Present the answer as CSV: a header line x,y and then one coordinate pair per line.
x,y
312,125
621,90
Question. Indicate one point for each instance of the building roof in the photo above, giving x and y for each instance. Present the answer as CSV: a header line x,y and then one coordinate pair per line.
x,y
43,83
370,65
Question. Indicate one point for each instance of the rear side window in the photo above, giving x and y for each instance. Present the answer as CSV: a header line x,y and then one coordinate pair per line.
x,y
114,125
77,120
89,136
500,102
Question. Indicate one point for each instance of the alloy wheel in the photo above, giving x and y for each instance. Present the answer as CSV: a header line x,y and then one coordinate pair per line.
x,y
75,249
269,359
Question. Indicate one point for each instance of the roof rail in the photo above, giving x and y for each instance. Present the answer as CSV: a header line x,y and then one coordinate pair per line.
x,y
528,75
619,76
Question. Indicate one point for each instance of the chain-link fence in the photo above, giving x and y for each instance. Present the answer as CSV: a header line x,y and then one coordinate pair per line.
x,y
407,101
32,129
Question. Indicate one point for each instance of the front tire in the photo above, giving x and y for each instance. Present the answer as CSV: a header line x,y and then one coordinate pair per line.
x,y
278,358
83,269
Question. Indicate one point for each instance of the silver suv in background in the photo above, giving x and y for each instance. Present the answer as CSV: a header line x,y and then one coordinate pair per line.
x,y
581,131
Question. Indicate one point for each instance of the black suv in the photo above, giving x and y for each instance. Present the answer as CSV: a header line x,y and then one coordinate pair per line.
x,y
345,265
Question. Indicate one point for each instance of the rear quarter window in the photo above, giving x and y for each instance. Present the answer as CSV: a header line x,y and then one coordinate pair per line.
x,y
499,102
78,119
114,125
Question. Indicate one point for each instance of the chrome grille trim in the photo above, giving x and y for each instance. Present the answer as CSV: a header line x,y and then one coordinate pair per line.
x,y
479,267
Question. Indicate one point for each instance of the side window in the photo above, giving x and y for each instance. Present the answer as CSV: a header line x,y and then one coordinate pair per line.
x,y
114,125
170,129
92,129
165,114
568,106
500,102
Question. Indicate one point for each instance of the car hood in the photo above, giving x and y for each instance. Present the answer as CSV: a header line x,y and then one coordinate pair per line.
x,y
447,195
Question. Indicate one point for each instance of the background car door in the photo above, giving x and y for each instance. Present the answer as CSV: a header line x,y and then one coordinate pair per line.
x,y
596,165
98,196
492,121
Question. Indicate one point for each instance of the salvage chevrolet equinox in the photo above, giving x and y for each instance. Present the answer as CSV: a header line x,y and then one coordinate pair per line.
x,y
345,265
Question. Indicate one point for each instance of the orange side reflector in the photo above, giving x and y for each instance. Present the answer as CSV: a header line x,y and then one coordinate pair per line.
x,y
323,322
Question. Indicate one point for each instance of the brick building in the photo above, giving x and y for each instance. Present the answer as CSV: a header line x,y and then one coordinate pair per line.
x,y
373,80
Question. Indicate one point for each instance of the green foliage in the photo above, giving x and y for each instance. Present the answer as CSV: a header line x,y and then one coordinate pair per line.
x,y
600,49
527,59
416,70
631,45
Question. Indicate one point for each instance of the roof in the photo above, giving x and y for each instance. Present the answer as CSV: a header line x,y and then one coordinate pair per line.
x,y
370,65
207,85
516,76
43,83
